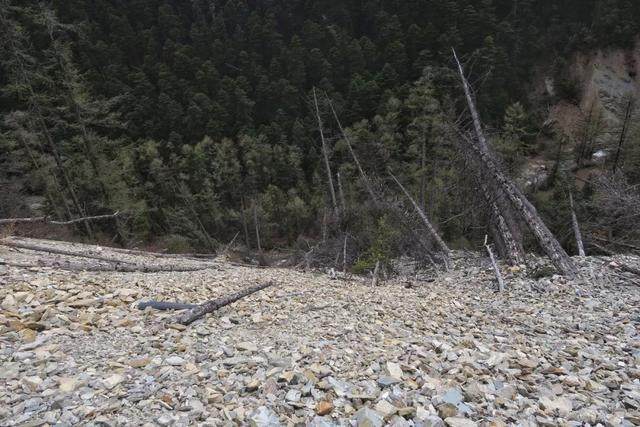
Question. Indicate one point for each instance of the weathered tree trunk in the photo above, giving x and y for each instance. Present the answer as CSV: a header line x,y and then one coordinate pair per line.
x,y
507,226
520,204
576,228
325,155
215,304
510,248
530,216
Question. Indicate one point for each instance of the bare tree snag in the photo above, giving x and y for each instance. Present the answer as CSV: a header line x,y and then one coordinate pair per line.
x,y
325,154
363,175
213,305
446,252
496,269
576,227
520,204
47,220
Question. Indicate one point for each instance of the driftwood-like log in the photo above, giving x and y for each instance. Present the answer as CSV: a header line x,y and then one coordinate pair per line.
x,y
48,220
163,305
213,305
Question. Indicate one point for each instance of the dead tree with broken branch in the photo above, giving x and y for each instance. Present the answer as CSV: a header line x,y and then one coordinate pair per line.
x,y
506,187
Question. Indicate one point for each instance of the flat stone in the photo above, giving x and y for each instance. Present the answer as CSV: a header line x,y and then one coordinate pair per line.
x,y
460,422
247,346
175,361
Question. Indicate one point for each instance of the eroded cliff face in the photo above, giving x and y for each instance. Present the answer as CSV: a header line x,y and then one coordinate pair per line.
x,y
601,83
605,81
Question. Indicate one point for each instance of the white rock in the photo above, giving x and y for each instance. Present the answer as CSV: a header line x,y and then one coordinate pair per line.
x,y
175,361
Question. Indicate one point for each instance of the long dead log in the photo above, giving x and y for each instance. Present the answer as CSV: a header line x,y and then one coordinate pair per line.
x,y
124,268
60,251
116,264
48,220
215,304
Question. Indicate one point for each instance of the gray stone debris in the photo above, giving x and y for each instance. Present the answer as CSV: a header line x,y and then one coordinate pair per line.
x,y
449,351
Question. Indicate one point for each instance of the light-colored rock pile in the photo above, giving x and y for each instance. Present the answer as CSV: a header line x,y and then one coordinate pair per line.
x,y
74,350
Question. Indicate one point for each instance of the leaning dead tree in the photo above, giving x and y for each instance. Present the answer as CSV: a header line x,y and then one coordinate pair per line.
x,y
325,154
442,246
506,229
48,220
365,179
505,187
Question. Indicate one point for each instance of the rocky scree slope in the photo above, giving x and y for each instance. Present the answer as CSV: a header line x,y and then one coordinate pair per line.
x,y
447,351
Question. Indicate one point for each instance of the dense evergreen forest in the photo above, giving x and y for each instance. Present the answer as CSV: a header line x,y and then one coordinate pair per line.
x,y
197,118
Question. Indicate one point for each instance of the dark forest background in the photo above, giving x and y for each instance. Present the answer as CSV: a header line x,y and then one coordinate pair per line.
x,y
196,118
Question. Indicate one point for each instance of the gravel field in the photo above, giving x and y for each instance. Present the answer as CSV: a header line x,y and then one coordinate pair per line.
x,y
75,350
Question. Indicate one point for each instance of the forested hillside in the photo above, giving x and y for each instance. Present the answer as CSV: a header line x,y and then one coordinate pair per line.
x,y
197,119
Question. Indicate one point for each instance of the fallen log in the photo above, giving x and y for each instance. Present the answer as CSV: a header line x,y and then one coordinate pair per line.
x,y
212,305
163,305
60,251
123,268
47,220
